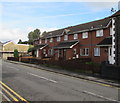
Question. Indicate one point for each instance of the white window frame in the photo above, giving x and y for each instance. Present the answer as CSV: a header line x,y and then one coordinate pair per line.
x,y
58,38
46,40
111,31
85,35
40,41
96,51
44,51
85,52
51,40
74,51
99,33
65,37
50,51
75,36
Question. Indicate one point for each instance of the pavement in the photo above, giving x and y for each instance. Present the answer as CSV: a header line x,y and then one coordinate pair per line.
x,y
112,83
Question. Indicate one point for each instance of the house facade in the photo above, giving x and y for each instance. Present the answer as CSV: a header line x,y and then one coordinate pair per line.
x,y
89,40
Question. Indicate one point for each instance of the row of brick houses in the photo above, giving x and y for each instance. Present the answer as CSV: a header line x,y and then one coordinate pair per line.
x,y
95,40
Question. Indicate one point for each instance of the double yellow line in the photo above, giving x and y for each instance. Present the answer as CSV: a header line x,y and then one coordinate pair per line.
x,y
13,94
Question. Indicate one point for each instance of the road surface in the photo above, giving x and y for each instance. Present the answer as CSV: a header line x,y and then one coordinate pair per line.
x,y
31,84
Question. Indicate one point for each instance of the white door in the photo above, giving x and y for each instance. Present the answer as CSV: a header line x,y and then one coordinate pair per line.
x,y
110,55
37,55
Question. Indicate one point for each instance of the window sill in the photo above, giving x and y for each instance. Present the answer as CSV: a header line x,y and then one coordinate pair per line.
x,y
84,55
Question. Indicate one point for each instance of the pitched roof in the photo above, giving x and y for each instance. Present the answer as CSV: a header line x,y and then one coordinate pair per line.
x,y
41,46
67,44
98,24
7,42
106,42
93,25
53,33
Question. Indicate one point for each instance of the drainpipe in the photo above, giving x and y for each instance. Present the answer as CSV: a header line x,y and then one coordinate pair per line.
x,y
91,44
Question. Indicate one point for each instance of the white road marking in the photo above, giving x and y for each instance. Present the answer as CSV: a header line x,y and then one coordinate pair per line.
x,y
100,96
43,78
13,68
5,96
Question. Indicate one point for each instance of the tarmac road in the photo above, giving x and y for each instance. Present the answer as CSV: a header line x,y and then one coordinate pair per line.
x,y
39,85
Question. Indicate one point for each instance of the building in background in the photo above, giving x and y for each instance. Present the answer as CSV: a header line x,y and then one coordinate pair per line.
x,y
9,47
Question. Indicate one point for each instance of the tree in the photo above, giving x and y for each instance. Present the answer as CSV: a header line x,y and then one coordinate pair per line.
x,y
33,35
16,54
44,33
20,41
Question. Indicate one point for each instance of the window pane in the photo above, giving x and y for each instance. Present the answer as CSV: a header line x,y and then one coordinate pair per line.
x,y
87,51
85,35
111,31
99,33
96,51
74,51
75,36
65,37
58,38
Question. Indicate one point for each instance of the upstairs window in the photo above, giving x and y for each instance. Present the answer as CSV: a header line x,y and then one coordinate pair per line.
x,y
58,38
84,52
65,37
75,36
96,51
99,33
111,31
85,35
51,39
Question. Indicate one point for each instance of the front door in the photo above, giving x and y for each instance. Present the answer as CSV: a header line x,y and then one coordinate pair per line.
x,y
110,55
64,54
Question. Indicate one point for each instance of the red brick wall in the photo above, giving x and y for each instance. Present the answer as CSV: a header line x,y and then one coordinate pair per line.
x,y
103,54
89,42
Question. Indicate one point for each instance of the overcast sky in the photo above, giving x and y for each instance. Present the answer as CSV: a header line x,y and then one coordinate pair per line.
x,y
17,19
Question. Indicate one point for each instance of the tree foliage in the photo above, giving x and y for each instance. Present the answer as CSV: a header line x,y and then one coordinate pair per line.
x,y
44,33
22,42
33,35
16,54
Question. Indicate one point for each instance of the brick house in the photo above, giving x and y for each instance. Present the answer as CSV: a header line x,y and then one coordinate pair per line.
x,y
89,40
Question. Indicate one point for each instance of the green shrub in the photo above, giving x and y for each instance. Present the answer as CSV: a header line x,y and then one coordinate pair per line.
x,y
16,54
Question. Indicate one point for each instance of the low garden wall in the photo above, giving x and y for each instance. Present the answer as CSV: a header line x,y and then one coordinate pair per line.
x,y
110,71
77,65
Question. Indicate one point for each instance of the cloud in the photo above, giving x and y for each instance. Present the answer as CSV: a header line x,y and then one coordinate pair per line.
x,y
63,15
15,34
12,34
